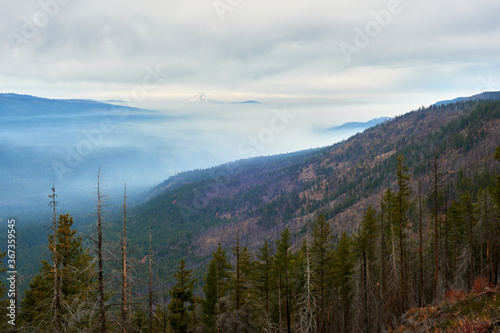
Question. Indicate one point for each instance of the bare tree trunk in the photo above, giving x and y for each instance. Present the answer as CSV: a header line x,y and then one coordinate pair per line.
x,y
436,262
150,291
365,289
384,252
420,248
279,299
471,243
102,309
57,299
237,286
446,254
307,302
124,264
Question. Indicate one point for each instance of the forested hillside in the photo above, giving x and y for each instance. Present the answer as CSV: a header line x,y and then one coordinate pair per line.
x,y
362,236
258,198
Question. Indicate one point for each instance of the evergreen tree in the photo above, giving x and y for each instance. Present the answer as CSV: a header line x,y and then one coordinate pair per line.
x,y
216,285
76,281
241,276
265,282
342,272
283,263
366,249
321,252
182,298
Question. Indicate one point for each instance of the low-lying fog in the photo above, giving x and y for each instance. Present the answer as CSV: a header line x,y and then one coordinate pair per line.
x,y
143,148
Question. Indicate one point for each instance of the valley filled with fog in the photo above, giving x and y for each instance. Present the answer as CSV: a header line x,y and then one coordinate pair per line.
x,y
63,143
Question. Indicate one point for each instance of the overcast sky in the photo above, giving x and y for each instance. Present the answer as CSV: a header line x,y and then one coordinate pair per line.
x,y
393,55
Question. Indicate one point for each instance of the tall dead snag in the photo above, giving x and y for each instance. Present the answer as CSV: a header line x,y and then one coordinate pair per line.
x,y
307,301
382,260
435,174
420,248
402,205
102,309
446,253
124,264
57,296
150,291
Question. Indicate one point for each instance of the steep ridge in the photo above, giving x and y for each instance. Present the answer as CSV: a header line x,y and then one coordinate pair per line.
x,y
257,198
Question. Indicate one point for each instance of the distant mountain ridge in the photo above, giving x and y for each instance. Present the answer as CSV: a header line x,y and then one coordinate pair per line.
x,y
27,105
488,95
358,125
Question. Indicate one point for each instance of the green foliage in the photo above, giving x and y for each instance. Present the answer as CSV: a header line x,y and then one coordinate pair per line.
x,y
181,294
78,284
217,283
368,234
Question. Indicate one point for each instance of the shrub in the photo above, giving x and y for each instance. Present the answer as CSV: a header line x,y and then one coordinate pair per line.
x,y
480,285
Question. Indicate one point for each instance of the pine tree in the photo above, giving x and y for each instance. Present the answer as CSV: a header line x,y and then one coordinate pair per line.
x,y
241,277
321,252
283,259
366,250
216,285
342,272
77,284
264,281
182,294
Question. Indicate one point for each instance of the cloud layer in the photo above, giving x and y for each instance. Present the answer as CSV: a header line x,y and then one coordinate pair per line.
x,y
273,51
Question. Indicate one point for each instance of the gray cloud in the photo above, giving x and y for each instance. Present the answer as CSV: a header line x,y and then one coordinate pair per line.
x,y
282,51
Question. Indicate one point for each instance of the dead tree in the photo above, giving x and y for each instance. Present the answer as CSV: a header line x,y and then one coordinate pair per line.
x,y
124,264
150,289
102,308
57,296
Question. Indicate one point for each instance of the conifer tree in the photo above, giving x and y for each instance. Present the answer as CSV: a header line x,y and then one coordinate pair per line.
x,y
321,252
241,276
342,272
283,259
182,298
216,284
366,250
77,285
264,281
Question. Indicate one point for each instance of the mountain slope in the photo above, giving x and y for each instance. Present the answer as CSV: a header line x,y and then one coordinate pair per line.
x,y
25,105
355,125
258,198
489,95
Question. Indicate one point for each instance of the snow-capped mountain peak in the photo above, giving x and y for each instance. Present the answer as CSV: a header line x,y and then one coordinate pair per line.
x,y
201,98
